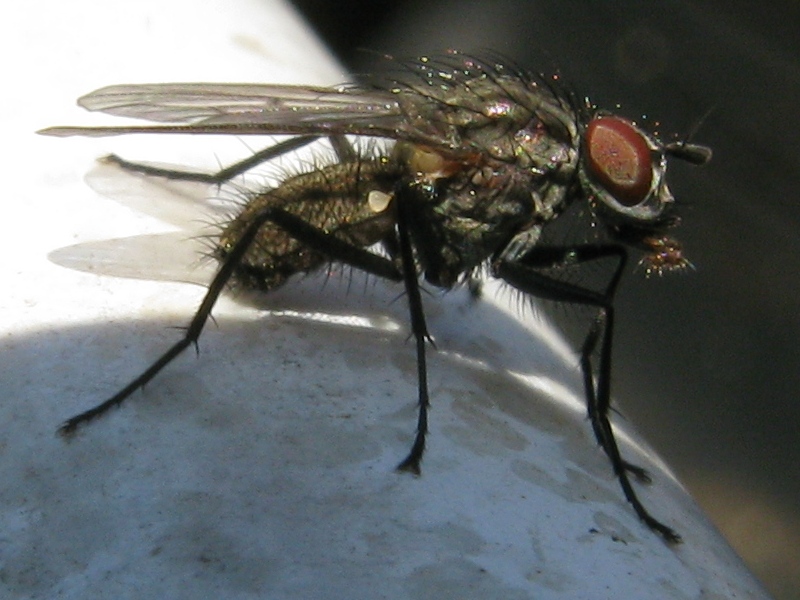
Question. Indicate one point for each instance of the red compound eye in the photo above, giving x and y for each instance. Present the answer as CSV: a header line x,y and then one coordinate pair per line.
x,y
619,158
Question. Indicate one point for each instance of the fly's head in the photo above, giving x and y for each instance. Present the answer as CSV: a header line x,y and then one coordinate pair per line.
x,y
623,172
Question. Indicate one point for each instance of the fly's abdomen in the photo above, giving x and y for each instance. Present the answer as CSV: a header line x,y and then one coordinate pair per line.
x,y
350,201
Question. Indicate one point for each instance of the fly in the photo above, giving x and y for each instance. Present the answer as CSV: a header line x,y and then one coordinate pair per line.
x,y
480,159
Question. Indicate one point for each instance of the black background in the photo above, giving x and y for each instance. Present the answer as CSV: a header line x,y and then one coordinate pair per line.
x,y
707,361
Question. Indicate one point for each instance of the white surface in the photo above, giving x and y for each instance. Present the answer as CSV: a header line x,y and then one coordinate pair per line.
x,y
264,468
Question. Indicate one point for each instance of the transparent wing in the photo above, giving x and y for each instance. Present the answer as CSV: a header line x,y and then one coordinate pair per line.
x,y
457,104
237,103
241,109
170,256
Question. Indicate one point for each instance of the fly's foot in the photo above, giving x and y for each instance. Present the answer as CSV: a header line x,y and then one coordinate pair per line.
x,y
411,463
640,473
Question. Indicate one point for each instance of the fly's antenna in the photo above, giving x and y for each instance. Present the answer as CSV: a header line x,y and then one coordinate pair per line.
x,y
695,154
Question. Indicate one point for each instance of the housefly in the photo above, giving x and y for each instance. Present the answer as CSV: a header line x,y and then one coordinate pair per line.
x,y
480,159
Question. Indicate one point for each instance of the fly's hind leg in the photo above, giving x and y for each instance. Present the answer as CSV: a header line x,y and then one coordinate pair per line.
x,y
222,176
343,148
333,248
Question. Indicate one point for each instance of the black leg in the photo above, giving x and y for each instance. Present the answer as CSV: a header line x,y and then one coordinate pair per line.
x,y
221,176
524,275
335,249
343,148
419,329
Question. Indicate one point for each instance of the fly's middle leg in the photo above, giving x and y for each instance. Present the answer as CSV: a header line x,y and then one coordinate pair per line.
x,y
419,328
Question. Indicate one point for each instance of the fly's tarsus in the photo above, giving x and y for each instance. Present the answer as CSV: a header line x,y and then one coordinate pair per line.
x,y
484,159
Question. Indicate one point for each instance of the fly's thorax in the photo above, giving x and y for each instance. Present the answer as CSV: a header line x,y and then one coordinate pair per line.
x,y
507,130
468,106
472,187
461,211
351,200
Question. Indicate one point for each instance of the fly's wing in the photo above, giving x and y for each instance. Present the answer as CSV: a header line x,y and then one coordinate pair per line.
x,y
169,256
458,105
241,109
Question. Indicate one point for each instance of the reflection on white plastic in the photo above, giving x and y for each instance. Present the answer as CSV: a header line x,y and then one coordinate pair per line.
x,y
352,321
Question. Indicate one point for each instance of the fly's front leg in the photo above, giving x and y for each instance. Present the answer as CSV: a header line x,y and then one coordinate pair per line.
x,y
524,273
335,249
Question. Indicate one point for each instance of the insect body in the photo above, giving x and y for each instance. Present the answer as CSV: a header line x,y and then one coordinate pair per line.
x,y
481,160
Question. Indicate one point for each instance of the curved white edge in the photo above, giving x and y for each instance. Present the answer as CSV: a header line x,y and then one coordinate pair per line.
x,y
264,468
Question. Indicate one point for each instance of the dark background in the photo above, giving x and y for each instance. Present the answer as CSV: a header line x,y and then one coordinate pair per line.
x,y
707,361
